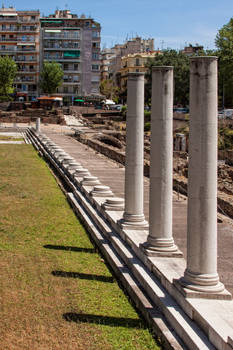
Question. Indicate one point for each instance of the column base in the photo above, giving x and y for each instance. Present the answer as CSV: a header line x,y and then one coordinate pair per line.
x,y
202,286
161,247
134,222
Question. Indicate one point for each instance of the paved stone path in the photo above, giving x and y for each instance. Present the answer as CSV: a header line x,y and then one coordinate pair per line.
x,y
112,174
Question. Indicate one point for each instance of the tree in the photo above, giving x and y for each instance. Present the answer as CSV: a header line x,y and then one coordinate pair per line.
x,y
224,43
108,89
51,77
8,69
180,62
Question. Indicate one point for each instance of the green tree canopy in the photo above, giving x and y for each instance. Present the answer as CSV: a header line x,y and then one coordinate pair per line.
x,y
108,89
224,43
51,77
8,69
180,62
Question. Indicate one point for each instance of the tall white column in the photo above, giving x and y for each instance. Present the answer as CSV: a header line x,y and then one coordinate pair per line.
x,y
133,216
201,272
160,238
37,125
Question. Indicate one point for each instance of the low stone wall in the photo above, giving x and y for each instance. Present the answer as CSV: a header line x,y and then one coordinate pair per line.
x,y
180,183
45,120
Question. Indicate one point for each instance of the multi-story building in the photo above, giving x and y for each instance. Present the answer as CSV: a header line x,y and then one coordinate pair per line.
x,y
192,50
132,46
107,55
74,42
134,63
19,39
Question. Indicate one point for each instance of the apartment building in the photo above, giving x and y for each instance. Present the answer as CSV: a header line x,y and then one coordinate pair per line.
x,y
112,65
19,39
134,63
74,42
107,55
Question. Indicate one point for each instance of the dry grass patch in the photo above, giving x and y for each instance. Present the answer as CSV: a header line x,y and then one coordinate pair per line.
x,y
56,291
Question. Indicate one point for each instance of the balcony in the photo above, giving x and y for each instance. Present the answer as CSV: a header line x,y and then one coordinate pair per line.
x,y
8,39
71,70
71,81
24,79
26,71
62,59
18,49
61,37
60,48
26,59
20,29
9,19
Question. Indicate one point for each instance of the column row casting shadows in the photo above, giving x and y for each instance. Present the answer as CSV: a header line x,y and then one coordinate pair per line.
x,y
201,276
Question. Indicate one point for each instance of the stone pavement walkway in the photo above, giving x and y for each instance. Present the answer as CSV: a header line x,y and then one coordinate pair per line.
x,y
111,174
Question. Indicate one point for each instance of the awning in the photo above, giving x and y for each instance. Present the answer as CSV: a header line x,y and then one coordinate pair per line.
x,y
51,21
26,43
8,14
52,31
72,54
78,100
109,102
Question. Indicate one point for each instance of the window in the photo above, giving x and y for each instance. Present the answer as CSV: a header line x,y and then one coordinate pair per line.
x,y
96,45
95,67
95,34
137,62
75,66
65,89
95,79
95,56
75,78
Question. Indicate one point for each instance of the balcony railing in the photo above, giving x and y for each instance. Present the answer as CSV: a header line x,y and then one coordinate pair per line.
x,y
61,37
24,79
71,81
27,71
9,49
19,29
61,58
25,59
50,47
17,39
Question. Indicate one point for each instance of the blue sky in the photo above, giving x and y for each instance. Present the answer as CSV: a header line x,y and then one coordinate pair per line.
x,y
172,23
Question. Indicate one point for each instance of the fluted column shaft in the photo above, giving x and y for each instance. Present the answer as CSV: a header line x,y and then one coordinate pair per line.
x,y
161,162
201,272
134,166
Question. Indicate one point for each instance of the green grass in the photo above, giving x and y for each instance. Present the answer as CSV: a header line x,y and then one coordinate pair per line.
x,y
56,290
10,138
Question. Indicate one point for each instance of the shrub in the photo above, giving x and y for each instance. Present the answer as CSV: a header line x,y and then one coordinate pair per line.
x,y
147,126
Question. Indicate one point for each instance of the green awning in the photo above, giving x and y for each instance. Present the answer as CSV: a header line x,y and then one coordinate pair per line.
x,y
78,100
72,54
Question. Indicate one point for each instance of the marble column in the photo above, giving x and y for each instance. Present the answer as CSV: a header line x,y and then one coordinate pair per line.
x,y
133,216
37,125
201,272
160,240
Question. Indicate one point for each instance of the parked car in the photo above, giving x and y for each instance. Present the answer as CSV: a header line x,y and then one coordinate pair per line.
x,y
181,110
228,113
116,107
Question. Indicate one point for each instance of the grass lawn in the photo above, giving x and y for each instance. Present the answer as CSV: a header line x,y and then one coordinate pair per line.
x,y
10,138
56,291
